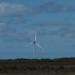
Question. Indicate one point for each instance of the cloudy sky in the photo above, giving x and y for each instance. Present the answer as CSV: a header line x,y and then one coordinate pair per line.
x,y
52,20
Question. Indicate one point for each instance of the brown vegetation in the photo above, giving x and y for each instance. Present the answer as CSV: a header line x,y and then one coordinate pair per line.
x,y
41,65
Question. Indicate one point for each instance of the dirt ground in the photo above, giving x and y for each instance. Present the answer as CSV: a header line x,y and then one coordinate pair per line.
x,y
39,73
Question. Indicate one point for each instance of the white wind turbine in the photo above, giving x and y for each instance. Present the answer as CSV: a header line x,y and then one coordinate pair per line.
x,y
34,43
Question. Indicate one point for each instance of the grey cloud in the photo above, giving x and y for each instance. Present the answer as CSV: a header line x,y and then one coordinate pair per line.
x,y
16,37
21,10
54,7
66,31
61,29
13,9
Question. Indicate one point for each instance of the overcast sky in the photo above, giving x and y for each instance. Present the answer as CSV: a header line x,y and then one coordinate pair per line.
x,y
52,20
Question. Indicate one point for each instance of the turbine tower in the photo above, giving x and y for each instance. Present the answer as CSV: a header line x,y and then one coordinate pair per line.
x,y
35,44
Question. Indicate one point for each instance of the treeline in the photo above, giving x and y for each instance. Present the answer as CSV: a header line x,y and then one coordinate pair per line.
x,y
56,59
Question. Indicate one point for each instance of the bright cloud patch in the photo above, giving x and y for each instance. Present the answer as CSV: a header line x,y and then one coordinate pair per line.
x,y
6,9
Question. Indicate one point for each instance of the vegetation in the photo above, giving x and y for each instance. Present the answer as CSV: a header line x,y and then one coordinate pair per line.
x,y
37,65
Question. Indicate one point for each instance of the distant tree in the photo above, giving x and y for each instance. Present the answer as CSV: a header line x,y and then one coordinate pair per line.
x,y
65,59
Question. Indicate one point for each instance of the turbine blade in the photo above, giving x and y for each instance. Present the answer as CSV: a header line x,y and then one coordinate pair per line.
x,y
35,37
39,45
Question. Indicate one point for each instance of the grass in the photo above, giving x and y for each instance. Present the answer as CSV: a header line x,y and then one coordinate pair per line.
x,y
37,67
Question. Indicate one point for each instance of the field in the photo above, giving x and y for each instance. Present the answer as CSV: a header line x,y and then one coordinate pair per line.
x,y
37,67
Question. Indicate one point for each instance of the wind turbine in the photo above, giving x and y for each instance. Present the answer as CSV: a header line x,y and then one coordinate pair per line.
x,y
34,43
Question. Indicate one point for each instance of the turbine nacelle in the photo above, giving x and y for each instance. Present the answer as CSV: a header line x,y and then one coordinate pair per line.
x,y
34,42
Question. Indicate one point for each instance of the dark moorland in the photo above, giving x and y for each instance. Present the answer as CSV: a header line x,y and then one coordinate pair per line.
x,y
61,66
